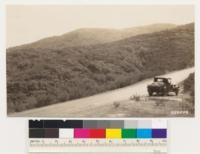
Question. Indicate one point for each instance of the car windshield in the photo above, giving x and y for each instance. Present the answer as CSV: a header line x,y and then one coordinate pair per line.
x,y
170,80
159,80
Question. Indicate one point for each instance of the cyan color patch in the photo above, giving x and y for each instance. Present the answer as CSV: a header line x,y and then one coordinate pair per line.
x,y
144,133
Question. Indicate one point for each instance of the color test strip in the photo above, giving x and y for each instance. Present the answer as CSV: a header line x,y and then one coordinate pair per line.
x,y
81,133
71,124
144,133
130,124
66,133
113,133
159,133
51,133
144,124
96,129
36,124
90,124
97,136
98,133
116,124
36,133
129,133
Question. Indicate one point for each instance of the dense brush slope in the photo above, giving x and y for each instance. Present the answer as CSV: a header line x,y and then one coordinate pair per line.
x,y
189,85
42,76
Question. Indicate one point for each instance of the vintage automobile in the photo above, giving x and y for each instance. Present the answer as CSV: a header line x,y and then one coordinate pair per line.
x,y
162,86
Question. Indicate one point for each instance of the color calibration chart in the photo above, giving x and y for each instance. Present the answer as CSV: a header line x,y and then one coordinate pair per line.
x,y
98,136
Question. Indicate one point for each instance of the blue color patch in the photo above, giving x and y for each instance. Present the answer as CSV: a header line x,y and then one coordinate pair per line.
x,y
144,133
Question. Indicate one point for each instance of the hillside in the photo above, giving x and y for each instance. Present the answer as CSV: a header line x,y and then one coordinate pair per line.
x,y
38,77
189,87
91,36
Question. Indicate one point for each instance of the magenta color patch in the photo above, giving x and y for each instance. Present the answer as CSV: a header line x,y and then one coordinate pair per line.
x,y
81,133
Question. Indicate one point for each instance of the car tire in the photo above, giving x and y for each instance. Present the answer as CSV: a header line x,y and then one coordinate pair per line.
x,y
150,93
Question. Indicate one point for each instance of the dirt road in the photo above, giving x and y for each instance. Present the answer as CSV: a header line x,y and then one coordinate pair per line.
x,y
93,105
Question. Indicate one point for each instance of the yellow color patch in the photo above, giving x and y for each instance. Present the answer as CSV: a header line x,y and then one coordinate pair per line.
x,y
113,133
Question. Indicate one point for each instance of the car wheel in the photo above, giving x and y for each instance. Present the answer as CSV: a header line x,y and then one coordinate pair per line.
x,y
150,93
162,94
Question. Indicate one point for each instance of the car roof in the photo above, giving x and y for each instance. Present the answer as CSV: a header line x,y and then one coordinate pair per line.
x,y
158,77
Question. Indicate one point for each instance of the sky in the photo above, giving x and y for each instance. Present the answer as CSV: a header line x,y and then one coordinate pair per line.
x,y
29,23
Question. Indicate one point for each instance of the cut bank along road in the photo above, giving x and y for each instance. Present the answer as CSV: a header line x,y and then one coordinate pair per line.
x,y
74,107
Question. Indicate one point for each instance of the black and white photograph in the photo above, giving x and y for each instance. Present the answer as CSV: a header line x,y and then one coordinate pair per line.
x,y
110,61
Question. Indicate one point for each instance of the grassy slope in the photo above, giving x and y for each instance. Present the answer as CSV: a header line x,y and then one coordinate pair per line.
x,y
39,77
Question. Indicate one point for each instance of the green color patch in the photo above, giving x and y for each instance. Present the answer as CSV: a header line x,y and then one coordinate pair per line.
x,y
129,133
